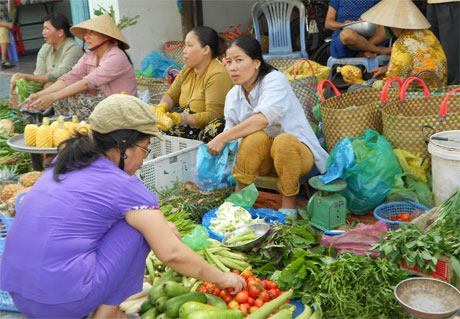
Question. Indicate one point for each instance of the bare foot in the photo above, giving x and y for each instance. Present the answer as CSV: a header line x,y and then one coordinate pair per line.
x,y
366,54
384,50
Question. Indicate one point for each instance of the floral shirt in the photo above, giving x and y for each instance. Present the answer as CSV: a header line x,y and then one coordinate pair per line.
x,y
417,50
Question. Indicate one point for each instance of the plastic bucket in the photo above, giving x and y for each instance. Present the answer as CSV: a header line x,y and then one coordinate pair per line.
x,y
444,148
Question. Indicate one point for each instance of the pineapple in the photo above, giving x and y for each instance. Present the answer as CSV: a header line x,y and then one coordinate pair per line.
x,y
351,74
12,201
74,125
29,179
61,134
30,134
164,123
10,190
8,175
44,134
84,128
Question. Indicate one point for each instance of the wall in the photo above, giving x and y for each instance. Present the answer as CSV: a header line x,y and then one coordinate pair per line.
x,y
219,14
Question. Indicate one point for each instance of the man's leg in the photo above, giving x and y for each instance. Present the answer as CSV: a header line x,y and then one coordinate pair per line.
x,y
354,41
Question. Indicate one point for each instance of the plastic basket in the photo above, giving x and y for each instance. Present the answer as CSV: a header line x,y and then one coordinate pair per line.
x,y
384,211
169,160
6,302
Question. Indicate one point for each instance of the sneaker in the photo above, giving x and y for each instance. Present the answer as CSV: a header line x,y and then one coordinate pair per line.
x,y
7,64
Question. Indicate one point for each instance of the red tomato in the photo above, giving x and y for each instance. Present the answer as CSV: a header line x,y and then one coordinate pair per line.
x,y
258,302
230,290
287,302
233,304
247,273
217,291
265,283
251,301
272,285
244,309
242,296
227,298
250,279
264,296
236,271
254,291
202,289
223,293
404,217
253,308
273,293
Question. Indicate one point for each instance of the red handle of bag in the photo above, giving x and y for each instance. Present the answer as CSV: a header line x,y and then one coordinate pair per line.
x,y
320,87
173,48
297,64
402,93
443,109
172,77
237,28
228,29
383,97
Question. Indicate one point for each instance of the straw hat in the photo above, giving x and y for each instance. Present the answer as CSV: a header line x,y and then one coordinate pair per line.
x,y
402,14
102,24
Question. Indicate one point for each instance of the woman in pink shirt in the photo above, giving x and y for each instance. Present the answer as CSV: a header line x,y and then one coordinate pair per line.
x,y
105,70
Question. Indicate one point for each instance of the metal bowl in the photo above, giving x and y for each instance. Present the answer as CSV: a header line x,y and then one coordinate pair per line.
x,y
364,28
428,297
260,229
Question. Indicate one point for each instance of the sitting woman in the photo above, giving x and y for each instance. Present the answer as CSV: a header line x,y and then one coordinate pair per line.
x,y
57,56
105,70
83,249
415,49
263,110
199,89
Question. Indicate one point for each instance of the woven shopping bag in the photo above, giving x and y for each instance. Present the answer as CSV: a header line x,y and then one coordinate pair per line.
x,y
234,31
175,51
281,64
405,122
157,87
349,114
439,90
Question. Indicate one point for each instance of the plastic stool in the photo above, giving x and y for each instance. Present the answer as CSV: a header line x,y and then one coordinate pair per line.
x,y
18,40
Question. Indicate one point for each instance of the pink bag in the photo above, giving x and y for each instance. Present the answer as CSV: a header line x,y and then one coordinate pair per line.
x,y
360,239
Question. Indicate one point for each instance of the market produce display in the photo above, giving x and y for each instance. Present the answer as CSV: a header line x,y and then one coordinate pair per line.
x,y
230,217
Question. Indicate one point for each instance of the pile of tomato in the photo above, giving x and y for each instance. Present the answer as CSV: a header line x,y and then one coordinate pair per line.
x,y
248,300
401,217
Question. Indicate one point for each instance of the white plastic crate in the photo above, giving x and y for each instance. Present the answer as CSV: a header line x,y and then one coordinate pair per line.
x,y
169,160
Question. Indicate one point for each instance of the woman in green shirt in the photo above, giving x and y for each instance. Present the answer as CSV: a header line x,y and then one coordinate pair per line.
x,y
199,89
57,56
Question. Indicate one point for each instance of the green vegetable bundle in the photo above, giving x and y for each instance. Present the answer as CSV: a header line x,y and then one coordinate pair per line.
x,y
24,88
348,286
180,218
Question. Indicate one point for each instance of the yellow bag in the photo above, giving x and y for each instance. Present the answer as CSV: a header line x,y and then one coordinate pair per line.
x,y
410,163
303,70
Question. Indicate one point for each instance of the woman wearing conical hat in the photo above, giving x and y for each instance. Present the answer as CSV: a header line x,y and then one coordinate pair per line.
x,y
415,48
104,70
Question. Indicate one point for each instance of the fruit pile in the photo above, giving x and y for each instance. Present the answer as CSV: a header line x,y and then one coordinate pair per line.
x,y
248,300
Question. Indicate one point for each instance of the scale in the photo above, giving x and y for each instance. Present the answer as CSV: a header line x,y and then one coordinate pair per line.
x,y
327,208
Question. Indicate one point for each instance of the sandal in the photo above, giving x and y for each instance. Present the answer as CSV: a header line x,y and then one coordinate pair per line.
x,y
7,64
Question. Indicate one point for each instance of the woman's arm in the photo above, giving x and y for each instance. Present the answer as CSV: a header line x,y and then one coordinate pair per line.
x,y
166,99
171,251
253,124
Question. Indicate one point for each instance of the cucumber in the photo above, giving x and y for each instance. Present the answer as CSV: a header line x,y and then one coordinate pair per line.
x,y
216,301
161,303
173,304
283,314
219,314
306,313
146,305
174,289
187,308
152,313
163,316
271,306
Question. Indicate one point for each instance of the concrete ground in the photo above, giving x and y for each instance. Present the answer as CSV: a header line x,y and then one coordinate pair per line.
x,y
26,64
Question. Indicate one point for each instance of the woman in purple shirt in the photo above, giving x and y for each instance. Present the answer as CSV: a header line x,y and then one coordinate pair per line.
x,y
105,70
81,235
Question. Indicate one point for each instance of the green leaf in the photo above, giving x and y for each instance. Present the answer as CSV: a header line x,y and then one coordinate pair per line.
x,y
455,265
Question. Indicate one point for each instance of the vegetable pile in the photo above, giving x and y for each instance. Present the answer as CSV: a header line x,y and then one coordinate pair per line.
x,y
24,89
229,218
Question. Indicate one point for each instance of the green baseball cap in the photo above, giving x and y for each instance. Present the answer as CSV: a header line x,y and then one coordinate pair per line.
x,y
124,112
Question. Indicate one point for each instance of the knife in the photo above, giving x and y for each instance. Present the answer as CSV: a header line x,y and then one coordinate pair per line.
x,y
439,138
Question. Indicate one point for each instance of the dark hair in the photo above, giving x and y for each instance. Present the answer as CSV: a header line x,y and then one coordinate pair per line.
x,y
59,21
80,151
252,48
126,53
209,36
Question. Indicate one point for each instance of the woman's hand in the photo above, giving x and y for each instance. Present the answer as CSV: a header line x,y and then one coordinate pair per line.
x,y
231,280
41,103
379,72
216,146
13,80
173,227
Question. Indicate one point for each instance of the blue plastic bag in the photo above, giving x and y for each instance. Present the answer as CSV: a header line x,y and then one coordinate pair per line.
x,y
344,158
159,63
215,170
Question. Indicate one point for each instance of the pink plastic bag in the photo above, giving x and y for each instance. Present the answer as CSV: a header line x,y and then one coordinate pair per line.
x,y
360,239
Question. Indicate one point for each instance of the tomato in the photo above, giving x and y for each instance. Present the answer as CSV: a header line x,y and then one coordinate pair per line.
x,y
258,302
274,293
254,291
242,296
217,291
233,304
230,290
272,285
392,218
223,293
264,296
247,273
265,283
404,217
251,301
201,289
236,271
253,309
244,309
228,298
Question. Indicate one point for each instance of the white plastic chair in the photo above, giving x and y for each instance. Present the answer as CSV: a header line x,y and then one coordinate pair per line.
x,y
278,15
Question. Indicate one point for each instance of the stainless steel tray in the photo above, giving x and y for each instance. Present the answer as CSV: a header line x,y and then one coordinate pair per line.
x,y
17,143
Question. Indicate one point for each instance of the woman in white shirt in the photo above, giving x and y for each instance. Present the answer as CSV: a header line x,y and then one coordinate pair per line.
x,y
263,110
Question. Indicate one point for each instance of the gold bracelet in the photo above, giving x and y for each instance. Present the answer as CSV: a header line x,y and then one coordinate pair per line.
x,y
52,97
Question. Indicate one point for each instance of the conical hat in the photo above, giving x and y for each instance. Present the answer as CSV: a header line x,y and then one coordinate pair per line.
x,y
402,14
102,24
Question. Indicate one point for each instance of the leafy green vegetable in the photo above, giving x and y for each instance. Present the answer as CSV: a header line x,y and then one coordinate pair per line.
x,y
25,88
